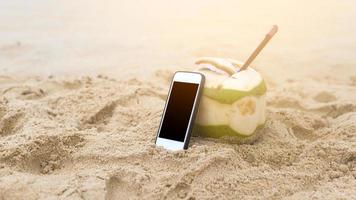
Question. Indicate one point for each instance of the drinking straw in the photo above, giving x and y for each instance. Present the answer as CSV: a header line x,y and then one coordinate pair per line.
x,y
259,48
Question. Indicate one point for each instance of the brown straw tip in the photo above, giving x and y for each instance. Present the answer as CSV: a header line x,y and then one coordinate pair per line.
x,y
273,31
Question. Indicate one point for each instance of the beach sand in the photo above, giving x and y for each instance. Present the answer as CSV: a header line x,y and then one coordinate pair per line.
x,y
83,86
93,138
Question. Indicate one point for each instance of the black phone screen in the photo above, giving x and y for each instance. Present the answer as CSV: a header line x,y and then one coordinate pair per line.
x,y
178,111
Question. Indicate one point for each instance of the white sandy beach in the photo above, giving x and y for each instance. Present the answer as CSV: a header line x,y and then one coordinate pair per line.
x,y
83,85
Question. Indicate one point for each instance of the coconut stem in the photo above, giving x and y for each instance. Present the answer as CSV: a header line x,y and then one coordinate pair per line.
x,y
259,48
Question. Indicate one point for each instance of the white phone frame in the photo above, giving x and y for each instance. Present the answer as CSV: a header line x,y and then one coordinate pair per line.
x,y
186,77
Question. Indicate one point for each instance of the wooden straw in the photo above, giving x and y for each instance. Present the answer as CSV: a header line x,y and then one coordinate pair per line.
x,y
260,47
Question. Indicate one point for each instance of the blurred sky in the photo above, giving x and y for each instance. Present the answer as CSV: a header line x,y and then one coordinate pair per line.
x,y
137,37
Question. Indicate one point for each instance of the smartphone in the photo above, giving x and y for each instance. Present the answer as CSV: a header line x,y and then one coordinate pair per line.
x,y
179,112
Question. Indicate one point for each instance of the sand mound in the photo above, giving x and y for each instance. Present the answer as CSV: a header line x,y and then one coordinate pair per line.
x,y
93,138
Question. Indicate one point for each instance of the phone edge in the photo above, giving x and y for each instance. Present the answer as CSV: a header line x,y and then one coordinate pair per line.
x,y
195,111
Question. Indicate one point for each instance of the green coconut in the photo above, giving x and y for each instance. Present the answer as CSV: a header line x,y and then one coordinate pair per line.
x,y
233,102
